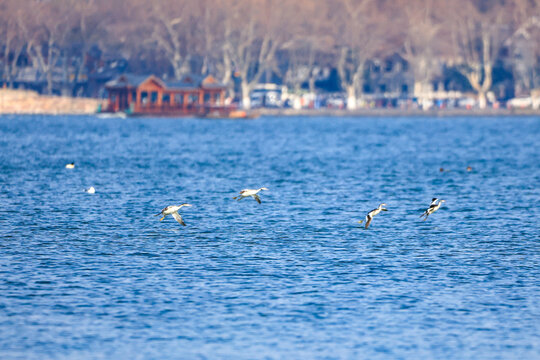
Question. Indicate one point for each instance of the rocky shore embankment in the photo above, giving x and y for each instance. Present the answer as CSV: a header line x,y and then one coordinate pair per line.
x,y
30,102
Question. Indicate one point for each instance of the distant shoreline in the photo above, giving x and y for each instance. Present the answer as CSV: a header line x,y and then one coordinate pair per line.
x,y
399,112
25,102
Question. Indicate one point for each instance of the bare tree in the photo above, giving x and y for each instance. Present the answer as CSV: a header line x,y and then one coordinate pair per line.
x,y
46,29
300,63
86,32
525,46
420,47
171,25
478,31
12,41
310,42
361,37
253,33
209,33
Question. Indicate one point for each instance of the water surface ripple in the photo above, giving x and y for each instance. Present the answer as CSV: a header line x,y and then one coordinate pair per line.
x,y
99,277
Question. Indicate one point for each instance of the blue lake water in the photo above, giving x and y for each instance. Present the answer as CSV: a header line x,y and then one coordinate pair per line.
x,y
100,277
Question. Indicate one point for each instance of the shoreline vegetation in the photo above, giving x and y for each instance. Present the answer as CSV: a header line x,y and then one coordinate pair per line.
x,y
30,102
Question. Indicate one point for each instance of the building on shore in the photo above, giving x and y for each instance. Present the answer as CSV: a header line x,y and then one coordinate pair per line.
x,y
150,95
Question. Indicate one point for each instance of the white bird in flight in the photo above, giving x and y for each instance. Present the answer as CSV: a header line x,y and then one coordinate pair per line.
x,y
173,210
250,192
434,206
372,213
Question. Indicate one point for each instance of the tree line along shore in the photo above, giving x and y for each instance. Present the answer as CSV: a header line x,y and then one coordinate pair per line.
x,y
408,48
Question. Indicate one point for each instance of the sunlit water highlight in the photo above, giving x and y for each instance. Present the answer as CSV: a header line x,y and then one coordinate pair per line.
x,y
97,276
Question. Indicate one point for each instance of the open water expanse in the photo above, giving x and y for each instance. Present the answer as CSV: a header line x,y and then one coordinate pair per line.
x,y
98,276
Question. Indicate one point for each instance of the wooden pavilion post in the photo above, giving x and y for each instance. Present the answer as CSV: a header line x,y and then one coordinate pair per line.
x,y
138,101
110,104
117,101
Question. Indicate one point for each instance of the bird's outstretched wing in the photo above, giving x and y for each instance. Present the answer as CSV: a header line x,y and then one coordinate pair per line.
x,y
178,218
368,221
256,197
